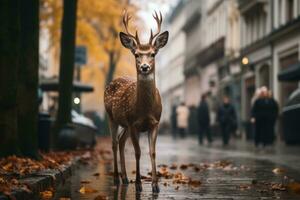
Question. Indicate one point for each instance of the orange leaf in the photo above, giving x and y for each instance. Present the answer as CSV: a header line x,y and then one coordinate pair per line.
x,y
87,190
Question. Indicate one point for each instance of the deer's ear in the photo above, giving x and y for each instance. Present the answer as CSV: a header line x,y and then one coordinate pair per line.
x,y
127,41
161,40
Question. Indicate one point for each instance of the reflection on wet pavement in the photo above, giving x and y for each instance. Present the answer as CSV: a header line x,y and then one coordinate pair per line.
x,y
223,174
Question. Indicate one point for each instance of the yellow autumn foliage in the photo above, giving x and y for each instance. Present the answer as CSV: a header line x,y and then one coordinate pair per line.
x,y
98,25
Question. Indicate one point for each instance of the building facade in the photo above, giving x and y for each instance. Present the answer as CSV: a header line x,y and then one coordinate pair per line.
x,y
170,63
211,31
230,47
270,37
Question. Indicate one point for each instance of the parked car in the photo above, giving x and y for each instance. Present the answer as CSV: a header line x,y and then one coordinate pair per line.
x,y
85,130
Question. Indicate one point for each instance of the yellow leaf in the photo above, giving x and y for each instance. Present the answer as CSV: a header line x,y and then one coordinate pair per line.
x,y
47,194
278,171
294,187
87,190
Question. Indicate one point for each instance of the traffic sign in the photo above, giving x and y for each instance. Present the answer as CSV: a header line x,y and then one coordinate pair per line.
x,y
80,55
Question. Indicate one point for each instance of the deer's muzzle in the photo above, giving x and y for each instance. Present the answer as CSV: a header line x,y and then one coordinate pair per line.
x,y
145,68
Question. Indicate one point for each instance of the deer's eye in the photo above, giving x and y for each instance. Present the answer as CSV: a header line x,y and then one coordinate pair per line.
x,y
136,55
152,55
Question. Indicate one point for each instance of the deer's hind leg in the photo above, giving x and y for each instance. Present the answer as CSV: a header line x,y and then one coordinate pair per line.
x,y
114,136
122,141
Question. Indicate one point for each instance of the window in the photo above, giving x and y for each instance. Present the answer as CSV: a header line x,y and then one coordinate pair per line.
x,y
290,10
287,87
279,11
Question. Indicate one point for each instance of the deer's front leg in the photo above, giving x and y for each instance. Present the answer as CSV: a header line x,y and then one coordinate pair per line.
x,y
152,135
135,141
114,133
122,142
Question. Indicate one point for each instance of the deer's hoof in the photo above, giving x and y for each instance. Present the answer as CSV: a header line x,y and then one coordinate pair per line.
x,y
155,188
116,181
125,181
138,187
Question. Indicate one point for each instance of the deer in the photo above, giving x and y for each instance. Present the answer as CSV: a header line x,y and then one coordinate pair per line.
x,y
134,105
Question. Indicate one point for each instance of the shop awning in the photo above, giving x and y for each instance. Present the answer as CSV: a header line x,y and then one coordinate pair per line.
x,y
51,85
292,73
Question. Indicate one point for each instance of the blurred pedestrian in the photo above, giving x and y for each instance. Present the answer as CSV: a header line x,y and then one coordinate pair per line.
x,y
204,120
193,120
255,96
227,119
173,122
182,112
251,128
264,115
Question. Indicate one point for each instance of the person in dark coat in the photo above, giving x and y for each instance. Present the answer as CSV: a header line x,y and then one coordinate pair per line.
x,y
204,120
174,122
227,119
264,115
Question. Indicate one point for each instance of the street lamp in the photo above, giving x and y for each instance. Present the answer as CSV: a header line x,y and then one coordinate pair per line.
x,y
245,61
76,100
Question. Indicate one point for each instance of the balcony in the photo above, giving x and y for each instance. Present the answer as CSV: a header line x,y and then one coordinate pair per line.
x,y
247,5
208,55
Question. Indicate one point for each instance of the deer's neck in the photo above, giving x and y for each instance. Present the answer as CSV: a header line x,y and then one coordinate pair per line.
x,y
146,90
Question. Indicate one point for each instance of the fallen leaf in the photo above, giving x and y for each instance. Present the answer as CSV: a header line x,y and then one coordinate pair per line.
x,y
244,187
96,174
2,180
294,187
85,181
101,197
132,181
25,188
191,165
173,166
109,174
47,194
163,165
278,186
278,171
196,169
194,183
7,167
87,190
183,166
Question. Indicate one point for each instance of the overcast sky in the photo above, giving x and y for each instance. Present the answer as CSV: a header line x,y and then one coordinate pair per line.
x,y
147,7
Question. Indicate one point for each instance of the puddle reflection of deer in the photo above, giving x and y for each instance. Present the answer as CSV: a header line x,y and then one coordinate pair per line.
x,y
135,105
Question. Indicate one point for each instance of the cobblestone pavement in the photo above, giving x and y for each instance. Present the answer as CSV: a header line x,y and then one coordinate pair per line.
x,y
235,172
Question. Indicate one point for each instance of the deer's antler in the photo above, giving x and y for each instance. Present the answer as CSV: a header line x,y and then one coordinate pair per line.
x,y
158,20
126,19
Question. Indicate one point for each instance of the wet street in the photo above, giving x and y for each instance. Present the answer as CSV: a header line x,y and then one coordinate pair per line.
x,y
235,172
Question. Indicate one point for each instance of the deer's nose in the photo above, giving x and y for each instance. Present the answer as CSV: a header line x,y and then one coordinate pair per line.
x,y
145,68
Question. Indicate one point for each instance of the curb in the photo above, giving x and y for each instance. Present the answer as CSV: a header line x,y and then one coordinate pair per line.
x,y
41,181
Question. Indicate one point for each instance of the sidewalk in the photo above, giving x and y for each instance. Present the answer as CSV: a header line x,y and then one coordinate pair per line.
x,y
279,153
25,178
190,171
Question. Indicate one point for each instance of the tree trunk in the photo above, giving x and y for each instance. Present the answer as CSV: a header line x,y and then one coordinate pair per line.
x,y
28,79
9,62
66,64
109,77
111,69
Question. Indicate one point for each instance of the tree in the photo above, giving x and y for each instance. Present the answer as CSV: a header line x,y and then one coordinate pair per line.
x,y
9,63
28,78
98,25
67,58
